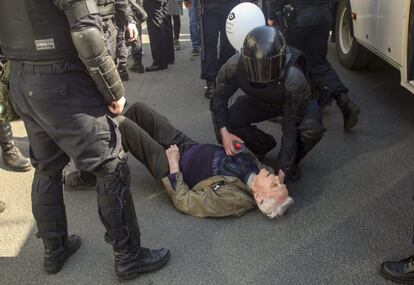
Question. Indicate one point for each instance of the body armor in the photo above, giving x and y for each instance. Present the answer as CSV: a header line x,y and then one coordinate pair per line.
x,y
43,40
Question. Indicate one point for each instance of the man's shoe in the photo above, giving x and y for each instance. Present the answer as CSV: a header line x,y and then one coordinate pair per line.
x,y
79,180
129,265
155,68
124,75
350,111
399,271
177,45
14,159
210,88
137,66
2,206
195,52
57,251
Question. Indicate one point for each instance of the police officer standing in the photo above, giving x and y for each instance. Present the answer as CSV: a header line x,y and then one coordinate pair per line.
x,y
213,25
273,77
309,23
65,86
117,13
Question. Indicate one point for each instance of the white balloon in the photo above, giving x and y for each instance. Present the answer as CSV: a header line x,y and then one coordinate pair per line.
x,y
241,20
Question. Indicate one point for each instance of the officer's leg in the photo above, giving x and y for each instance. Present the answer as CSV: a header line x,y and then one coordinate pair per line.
x,y
122,54
168,36
158,127
12,156
136,52
80,126
226,49
47,198
246,111
310,130
156,32
209,66
325,76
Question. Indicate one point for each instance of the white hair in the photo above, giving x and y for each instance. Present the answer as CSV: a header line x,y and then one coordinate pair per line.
x,y
272,209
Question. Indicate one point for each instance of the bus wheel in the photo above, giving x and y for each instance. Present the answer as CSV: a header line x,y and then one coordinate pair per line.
x,y
351,54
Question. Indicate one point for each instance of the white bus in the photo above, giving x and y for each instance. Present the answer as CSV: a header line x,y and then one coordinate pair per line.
x,y
382,27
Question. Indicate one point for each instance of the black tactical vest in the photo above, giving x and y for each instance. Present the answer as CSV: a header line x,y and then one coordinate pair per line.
x,y
272,92
34,30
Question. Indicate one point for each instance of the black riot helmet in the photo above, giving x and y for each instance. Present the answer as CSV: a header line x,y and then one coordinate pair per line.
x,y
264,54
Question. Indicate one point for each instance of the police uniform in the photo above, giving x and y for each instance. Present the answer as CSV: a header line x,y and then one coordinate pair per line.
x,y
108,9
308,30
136,46
159,32
65,113
213,16
289,97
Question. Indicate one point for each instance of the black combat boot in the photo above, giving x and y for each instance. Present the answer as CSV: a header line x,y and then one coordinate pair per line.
x,y
57,250
137,66
123,73
131,259
14,159
210,88
349,110
399,271
117,213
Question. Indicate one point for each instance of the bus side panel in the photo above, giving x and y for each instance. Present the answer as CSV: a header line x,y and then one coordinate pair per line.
x,y
366,23
390,29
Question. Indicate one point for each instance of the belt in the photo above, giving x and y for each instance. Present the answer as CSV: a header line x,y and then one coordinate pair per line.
x,y
49,67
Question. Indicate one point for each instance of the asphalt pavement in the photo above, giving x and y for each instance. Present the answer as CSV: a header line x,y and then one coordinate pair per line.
x,y
353,205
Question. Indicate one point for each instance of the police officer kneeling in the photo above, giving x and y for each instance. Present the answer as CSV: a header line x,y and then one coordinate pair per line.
x,y
53,45
273,77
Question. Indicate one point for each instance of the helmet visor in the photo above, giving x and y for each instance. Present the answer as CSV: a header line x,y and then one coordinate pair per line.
x,y
264,70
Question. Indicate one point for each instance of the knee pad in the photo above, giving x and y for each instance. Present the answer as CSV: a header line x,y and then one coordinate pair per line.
x,y
48,206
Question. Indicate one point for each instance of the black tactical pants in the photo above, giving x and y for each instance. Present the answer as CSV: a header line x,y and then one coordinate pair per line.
x,y
110,33
214,21
248,110
6,134
65,117
309,33
122,44
147,134
158,31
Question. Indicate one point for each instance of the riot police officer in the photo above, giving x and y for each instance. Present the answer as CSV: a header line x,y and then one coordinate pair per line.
x,y
117,13
272,75
309,23
64,85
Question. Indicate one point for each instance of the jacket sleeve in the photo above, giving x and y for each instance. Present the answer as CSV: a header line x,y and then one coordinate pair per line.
x,y
226,86
296,97
91,20
273,6
207,202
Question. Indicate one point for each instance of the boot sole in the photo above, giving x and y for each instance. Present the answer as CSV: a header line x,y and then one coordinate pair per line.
x,y
385,274
54,270
144,269
19,169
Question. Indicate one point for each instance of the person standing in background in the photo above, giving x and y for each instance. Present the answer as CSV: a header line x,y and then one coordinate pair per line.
x,y
162,48
193,15
175,11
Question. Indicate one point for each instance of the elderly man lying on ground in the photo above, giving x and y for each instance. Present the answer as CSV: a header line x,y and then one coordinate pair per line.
x,y
201,179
